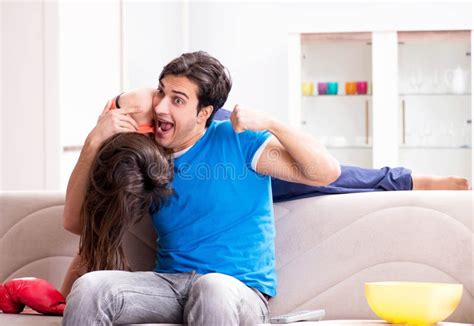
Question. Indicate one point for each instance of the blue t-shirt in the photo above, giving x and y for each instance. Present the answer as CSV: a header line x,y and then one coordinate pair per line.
x,y
221,216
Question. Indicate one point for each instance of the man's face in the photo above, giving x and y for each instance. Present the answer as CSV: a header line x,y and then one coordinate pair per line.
x,y
177,124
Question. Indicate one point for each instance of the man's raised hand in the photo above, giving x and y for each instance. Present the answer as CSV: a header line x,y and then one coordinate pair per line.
x,y
245,119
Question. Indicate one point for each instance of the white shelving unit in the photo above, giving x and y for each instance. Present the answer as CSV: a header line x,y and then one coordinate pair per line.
x,y
412,116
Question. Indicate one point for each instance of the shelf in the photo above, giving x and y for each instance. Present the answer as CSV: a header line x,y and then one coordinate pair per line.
x,y
401,147
435,94
349,147
339,95
400,95
434,147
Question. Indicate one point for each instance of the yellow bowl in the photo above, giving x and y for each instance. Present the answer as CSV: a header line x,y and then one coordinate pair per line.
x,y
413,303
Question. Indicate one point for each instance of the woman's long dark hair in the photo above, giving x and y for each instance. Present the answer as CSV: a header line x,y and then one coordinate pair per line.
x,y
130,176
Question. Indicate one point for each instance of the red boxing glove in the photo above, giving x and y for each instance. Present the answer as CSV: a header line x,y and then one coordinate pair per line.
x,y
33,292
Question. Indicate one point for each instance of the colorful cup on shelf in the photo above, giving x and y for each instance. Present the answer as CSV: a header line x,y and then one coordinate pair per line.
x,y
322,88
351,88
307,88
362,87
332,88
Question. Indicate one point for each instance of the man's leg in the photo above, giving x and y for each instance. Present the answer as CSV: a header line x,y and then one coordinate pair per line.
x,y
109,297
430,182
352,179
218,300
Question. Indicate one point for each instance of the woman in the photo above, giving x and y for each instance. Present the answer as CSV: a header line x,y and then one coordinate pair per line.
x,y
130,177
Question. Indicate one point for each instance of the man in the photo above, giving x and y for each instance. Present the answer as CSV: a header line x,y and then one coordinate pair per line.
x,y
215,263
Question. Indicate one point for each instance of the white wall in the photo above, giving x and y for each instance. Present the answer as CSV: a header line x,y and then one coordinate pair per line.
x,y
29,137
60,62
52,137
90,70
153,34
89,64
1,100
22,101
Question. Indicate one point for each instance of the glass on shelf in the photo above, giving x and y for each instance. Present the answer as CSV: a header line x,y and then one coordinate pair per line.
x,y
307,88
449,81
416,80
437,135
349,88
452,135
436,82
457,80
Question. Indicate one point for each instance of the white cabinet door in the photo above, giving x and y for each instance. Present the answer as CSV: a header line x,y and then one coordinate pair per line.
x,y
341,117
435,102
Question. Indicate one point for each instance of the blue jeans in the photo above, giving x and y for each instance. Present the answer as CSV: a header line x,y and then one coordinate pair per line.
x,y
352,179
117,297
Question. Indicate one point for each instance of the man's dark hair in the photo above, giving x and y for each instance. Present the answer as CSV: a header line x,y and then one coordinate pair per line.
x,y
211,77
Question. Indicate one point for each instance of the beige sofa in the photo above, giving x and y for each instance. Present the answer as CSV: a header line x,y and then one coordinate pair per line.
x,y
326,247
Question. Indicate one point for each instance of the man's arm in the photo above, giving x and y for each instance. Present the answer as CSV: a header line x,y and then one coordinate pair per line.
x,y
291,155
109,123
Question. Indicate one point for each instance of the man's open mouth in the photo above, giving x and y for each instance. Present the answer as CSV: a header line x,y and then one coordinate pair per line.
x,y
163,127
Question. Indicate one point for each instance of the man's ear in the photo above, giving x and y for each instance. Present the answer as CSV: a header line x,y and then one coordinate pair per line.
x,y
205,113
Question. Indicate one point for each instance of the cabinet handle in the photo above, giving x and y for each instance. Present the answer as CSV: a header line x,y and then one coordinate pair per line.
x,y
403,123
366,122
